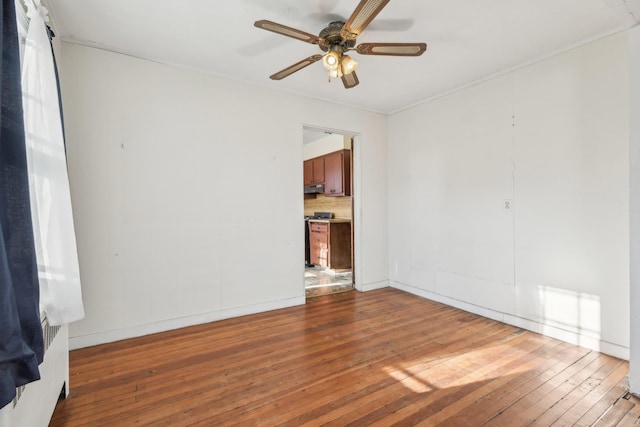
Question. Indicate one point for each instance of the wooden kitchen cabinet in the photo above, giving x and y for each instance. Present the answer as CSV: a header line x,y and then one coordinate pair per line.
x,y
337,173
318,243
314,171
330,244
308,172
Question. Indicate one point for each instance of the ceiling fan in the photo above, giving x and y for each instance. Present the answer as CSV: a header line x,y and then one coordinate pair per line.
x,y
340,37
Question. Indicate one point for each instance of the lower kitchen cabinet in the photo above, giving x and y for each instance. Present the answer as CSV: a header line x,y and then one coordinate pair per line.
x,y
330,244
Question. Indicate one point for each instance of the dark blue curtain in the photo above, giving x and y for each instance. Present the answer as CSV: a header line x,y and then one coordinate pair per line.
x,y
21,344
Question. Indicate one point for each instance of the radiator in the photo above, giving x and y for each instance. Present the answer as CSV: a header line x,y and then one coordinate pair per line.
x,y
49,333
35,402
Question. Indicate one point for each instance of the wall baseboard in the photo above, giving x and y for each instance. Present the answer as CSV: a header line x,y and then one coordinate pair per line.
x,y
365,287
166,325
182,322
570,337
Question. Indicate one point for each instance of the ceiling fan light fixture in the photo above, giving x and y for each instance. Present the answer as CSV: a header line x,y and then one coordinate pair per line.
x,y
339,37
348,64
335,73
331,61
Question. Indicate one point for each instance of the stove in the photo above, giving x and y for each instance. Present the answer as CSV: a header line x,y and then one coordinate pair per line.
x,y
319,215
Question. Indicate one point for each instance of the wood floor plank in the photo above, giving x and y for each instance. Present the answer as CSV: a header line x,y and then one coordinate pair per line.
x,y
353,394
534,358
615,414
248,371
593,395
595,412
463,383
382,357
368,351
561,399
555,391
631,418
524,410
328,360
224,370
496,402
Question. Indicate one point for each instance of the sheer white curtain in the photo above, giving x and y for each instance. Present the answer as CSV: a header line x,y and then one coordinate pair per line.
x,y
60,294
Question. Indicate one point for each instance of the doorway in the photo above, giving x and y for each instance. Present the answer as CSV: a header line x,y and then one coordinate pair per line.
x,y
328,211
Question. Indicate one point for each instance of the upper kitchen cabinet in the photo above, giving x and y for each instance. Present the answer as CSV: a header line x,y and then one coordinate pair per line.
x,y
314,171
337,173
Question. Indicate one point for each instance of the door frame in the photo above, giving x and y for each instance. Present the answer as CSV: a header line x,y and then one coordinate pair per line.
x,y
356,208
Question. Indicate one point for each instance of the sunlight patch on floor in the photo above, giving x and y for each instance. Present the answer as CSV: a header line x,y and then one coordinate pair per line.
x,y
429,374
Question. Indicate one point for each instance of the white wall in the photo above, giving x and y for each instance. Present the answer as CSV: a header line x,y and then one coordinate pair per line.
x,y
323,146
634,157
550,140
186,193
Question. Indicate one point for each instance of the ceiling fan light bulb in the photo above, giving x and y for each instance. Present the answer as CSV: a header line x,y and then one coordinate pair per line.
x,y
348,64
331,61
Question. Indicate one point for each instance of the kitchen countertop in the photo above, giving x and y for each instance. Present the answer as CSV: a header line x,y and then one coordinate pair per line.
x,y
332,220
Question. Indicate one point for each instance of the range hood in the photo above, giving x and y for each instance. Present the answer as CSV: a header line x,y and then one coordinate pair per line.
x,y
314,189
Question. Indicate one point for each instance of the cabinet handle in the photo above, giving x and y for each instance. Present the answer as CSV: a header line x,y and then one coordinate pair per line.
x,y
333,191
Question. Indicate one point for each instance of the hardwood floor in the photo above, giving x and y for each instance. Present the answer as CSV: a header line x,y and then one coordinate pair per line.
x,y
377,358
320,281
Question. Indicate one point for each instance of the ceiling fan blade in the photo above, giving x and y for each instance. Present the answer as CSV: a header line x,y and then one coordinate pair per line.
x,y
287,31
362,16
392,49
295,67
350,80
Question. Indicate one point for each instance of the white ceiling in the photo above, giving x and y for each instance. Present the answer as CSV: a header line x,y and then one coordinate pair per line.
x,y
468,40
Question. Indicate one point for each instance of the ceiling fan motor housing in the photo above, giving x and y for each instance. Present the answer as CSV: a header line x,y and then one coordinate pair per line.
x,y
332,38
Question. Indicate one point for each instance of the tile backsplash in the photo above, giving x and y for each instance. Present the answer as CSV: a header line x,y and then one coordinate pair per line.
x,y
340,206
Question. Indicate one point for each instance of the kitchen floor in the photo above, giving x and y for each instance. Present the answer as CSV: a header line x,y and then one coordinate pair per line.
x,y
323,281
